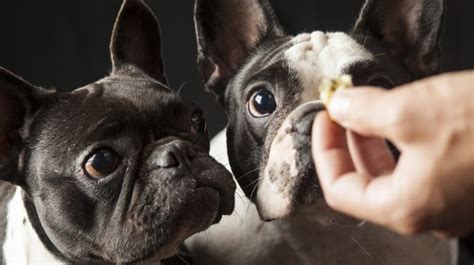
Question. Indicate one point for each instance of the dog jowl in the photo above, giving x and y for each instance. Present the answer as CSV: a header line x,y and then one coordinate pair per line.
x,y
117,171
268,82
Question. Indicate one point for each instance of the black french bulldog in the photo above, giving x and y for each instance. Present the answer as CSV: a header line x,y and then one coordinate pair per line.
x,y
117,171
268,81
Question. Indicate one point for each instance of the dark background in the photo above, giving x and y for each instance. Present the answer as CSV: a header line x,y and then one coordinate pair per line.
x,y
64,44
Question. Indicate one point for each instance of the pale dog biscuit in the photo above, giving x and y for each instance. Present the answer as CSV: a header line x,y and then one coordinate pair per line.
x,y
330,85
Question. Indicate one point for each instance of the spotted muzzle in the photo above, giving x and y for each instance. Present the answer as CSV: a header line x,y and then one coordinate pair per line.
x,y
289,177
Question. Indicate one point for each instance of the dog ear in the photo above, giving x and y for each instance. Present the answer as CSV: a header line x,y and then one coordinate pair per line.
x,y
410,30
19,101
227,32
136,41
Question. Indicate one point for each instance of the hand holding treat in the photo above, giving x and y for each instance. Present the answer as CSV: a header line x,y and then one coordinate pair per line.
x,y
431,188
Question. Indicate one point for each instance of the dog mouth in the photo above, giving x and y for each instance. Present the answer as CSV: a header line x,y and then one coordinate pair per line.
x,y
178,203
217,182
289,177
206,203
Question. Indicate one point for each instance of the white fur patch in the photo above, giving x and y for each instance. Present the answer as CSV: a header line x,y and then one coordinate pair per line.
x,y
22,244
273,196
318,55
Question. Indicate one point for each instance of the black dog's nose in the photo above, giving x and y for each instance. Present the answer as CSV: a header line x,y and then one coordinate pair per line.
x,y
173,154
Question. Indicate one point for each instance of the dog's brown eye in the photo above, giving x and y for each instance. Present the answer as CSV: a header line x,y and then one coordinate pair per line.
x,y
198,122
101,164
262,103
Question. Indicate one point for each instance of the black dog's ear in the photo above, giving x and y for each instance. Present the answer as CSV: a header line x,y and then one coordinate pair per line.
x,y
410,30
136,40
19,101
227,32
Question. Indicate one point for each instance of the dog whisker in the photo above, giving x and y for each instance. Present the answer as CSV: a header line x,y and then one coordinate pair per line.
x,y
365,39
251,196
184,253
252,183
180,89
248,173
182,259
361,247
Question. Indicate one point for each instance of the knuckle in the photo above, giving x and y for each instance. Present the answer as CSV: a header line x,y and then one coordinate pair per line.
x,y
409,227
331,200
397,121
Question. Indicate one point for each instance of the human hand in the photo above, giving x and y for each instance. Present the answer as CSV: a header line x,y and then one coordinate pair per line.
x,y
431,122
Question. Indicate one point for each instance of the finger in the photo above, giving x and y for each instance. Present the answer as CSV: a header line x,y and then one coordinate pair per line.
x,y
344,189
330,150
371,155
363,110
362,197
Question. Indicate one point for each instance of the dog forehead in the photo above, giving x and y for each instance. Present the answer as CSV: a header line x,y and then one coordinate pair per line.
x,y
317,55
124,104
270,54
139,89
309,57
144,94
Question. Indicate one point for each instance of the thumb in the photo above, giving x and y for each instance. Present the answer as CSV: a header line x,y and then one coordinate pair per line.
x,y
364,110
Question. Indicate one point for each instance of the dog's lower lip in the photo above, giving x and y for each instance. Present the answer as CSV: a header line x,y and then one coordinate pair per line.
x,y
215,193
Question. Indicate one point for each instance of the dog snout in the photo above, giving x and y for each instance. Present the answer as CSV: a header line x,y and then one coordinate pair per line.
x,y
301,119
174,154
288,178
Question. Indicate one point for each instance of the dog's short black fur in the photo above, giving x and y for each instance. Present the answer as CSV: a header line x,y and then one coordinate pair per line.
x,y
116,171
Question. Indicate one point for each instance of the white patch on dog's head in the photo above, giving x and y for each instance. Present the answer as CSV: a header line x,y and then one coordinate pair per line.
x,y
318,55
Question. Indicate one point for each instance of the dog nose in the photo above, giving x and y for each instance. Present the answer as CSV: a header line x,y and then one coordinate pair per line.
x,y
166,159
173,154
301,119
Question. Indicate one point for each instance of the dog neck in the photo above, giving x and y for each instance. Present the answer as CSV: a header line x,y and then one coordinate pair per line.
x,y
22,244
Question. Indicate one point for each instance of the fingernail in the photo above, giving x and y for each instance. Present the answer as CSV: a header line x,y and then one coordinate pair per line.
x,y
339,105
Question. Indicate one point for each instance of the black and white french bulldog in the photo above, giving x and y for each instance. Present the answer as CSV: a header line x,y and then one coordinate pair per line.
x,y
117,171
268,82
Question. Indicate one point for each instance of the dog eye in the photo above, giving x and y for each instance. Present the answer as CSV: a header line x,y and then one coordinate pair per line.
x,y
101,164
262,103
198,123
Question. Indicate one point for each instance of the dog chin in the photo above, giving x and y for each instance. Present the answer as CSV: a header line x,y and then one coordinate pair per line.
x,y
272,204
169,250
203,210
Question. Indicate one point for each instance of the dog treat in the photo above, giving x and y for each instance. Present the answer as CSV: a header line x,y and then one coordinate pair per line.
x,y
330,85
